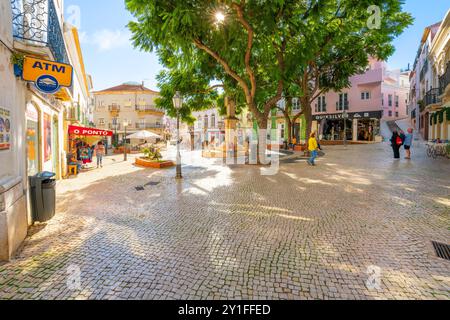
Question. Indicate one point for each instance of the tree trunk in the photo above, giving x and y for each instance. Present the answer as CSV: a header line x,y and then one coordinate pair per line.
x,y
192,141
289,129
306,107
261,147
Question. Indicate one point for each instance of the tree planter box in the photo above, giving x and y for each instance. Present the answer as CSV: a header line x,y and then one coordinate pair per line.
x,y
300,148
153,164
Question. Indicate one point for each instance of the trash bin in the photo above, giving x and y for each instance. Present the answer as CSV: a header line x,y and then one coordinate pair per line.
x,y
43,196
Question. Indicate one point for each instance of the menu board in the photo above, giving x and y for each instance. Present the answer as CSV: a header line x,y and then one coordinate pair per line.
x,y
5,129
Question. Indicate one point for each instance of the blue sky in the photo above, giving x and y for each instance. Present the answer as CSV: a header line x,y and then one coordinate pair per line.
x,y
111,59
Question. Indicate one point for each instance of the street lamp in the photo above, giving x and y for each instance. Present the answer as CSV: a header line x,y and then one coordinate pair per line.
x,y
178,103
125,125
345,116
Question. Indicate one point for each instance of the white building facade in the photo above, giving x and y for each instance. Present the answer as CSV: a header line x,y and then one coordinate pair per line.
x,y
32,124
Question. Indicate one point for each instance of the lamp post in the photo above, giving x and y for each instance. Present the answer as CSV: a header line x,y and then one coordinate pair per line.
x,y
178,103
345,116
125,125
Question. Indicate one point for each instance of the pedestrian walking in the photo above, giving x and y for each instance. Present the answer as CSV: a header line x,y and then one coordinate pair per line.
x,y
402,136
313,148
396,143
100,153
408,143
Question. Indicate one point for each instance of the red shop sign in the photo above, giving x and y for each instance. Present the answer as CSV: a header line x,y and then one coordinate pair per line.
x,y
80,131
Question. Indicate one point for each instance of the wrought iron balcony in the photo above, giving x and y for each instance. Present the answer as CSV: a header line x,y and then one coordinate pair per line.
x,y
143,126
433,97
444,80
147,108
342,105
36,22
114,108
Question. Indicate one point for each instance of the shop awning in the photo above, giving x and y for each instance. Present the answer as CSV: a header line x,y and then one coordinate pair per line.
x,y
81,131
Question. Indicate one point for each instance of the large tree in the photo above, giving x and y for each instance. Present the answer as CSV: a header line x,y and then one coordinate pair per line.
x,y
266,47
336,41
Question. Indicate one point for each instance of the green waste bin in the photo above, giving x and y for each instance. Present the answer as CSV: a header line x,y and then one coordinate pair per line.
x,y
43,196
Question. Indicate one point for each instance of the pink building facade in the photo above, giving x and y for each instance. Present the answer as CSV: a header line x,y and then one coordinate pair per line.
x,y
374,96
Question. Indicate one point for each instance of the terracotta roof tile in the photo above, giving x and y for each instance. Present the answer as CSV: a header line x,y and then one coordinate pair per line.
x,y
128,87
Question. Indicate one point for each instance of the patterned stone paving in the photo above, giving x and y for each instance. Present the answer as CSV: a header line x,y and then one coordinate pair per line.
x,y
305,233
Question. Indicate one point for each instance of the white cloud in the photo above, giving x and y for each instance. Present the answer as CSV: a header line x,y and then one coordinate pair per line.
x,y
106,39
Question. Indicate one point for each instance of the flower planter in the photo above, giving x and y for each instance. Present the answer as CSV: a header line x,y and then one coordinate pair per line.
x,y
153,164
17,70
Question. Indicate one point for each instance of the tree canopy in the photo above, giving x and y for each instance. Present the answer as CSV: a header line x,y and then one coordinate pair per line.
x,y
260,50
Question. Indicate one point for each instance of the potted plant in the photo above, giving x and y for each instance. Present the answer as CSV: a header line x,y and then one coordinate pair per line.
x,y
17,60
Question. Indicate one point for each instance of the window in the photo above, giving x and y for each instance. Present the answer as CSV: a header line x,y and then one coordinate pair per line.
x,y
213,121
295,104
396,101
321,105
365,95
101,121
205,122
382,99
342,104
390,113
396,114
390,100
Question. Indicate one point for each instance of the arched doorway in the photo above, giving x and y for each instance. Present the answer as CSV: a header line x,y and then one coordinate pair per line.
x,y
33,137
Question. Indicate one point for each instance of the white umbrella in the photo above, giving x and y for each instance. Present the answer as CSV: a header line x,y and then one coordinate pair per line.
x,y
144,134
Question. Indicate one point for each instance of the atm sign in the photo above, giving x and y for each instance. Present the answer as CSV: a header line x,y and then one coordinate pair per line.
x,y
33,69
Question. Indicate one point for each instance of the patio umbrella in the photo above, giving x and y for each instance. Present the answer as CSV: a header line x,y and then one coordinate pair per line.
x,y
144,134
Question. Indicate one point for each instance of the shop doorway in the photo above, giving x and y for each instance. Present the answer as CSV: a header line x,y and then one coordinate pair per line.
x,y
333,130
297,131
368,129
32,140
55,146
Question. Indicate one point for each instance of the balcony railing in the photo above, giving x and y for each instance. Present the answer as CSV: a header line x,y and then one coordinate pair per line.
x,y
113,126
114,108
444,80
143,126
36,22
432,97
147,108
342,106
424,70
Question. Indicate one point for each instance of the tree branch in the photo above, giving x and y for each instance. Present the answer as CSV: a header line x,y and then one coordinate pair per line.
x,y
199,44
210,89
248,53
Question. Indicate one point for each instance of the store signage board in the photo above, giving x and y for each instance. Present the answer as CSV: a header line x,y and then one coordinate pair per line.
x,y
81,131
48,76
354,115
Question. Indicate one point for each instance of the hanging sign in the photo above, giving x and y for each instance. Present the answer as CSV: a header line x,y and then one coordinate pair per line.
x,y
81,131
48,76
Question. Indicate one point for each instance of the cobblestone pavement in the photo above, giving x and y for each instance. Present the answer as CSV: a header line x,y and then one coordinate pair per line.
x,y
305,233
